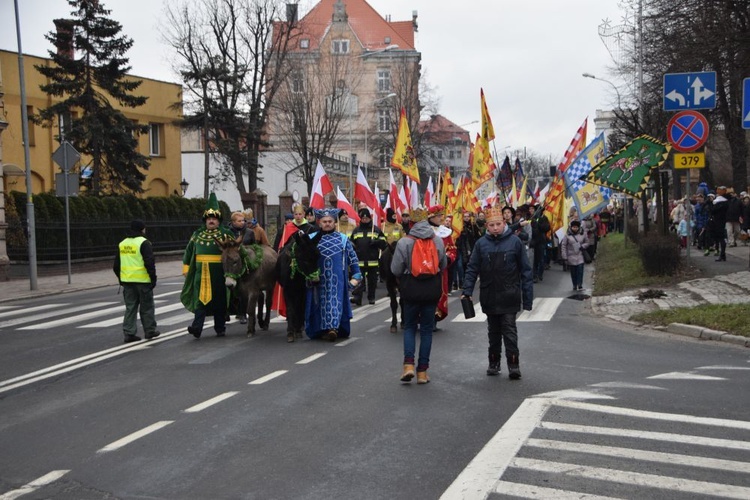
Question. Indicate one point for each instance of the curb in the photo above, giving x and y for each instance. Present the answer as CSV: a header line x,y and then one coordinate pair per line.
x,y
700,332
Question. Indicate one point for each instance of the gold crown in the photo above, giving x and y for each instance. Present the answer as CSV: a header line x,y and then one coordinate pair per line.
x,y
493,213
418,214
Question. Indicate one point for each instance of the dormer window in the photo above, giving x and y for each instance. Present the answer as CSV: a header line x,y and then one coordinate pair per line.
x,y
304,43
340,46
387,40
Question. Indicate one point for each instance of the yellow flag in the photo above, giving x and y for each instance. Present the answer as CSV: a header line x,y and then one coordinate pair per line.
x,y
403,155
447,192
488,131
482,165
522,197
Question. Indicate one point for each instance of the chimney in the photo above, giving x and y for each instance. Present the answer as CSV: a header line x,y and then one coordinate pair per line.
x,y
291,13
414,20
65,46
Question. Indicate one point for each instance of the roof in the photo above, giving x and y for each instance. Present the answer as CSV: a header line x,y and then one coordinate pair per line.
x,y
439,130
371,29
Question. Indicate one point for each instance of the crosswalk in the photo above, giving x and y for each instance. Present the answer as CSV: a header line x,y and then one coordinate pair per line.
x,y
106,314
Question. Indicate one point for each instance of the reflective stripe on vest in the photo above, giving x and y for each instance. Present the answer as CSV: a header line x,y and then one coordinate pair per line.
x,y
132,268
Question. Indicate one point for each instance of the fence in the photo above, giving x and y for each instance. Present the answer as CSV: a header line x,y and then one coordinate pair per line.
x,y
98,239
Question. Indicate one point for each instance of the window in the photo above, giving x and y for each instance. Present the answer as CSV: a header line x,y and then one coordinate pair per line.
x,y
458,154
155,139
452,154
340,46
440,154
32,137
344,103
384,120
432,154
383,158
298,82
384,80
304,43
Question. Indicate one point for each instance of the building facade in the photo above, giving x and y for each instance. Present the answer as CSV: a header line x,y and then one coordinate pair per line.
x,y
161,144
350,72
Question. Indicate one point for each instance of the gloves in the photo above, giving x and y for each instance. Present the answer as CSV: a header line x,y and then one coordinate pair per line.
x,y
153,283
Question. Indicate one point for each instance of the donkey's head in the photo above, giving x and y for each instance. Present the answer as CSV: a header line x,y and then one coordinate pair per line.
x,y
232,260
306,255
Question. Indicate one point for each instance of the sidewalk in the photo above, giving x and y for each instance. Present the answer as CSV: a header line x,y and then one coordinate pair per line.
x,y
169,266
722,283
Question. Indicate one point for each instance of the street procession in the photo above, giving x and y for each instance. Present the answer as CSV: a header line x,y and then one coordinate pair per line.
x,y
374,249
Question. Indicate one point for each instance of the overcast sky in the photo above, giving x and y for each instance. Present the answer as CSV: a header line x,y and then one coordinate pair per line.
x,y
527,55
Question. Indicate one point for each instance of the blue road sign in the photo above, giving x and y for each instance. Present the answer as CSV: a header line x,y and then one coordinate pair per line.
x,y
689,91
746,103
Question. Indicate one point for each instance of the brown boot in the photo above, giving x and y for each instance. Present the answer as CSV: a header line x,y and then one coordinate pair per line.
x,y
422,378
408,373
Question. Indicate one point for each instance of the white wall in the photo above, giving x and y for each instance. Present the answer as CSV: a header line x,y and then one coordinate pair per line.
x,y
274,178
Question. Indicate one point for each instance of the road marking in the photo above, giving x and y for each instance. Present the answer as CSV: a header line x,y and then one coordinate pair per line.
x,y
210,402
310,359
135,436
540,492
83,361
625,385
544,309
633,478
363,311
37,317
723,368
174,320
490,463
643,455
118,321
167,294
650,435
28,310
74,319
683,376
574,394
46,479
346,342
270,376
670,417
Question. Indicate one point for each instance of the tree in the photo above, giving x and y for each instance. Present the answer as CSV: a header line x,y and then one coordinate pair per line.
x,y
691,36
230,55
85,85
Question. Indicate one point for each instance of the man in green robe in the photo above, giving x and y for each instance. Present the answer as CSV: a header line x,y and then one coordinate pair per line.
x,y
204,292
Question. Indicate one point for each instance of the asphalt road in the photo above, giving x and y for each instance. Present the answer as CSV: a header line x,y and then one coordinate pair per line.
x,y
602,409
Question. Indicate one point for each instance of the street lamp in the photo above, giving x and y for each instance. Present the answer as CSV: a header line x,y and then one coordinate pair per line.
x,y
619,99
184,185
367,123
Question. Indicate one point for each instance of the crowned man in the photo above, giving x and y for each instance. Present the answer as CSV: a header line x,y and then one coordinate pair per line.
x,y
436,219
204,292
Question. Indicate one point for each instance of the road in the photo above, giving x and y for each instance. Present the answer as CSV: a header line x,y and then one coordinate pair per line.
x,y
602,410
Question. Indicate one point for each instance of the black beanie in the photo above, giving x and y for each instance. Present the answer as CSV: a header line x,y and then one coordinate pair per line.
x,y
364,212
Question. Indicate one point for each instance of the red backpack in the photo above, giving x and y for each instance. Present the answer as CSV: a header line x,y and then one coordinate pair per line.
x,y
424,258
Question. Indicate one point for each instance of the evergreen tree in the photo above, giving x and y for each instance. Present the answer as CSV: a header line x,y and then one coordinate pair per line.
x,y
85,86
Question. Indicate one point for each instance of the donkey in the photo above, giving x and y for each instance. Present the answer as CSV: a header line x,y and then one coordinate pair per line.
x,y
391,285
252,270
296,268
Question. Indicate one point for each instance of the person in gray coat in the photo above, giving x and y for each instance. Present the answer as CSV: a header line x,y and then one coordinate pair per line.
x,y
420,296
500,261
571,251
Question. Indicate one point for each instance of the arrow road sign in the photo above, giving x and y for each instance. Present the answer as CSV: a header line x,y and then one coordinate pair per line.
x,y
687,131
689,91
746,103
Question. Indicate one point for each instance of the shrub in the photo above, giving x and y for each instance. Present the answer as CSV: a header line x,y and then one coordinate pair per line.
x,y
660,254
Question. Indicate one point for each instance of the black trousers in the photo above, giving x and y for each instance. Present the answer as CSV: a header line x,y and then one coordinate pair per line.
x,y
370,275
502,328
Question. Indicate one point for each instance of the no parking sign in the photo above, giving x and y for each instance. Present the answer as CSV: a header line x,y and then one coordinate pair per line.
x,y
687,131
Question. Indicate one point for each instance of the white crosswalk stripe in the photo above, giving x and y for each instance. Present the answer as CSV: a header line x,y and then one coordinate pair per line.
x,y
560,457
544,309
52,314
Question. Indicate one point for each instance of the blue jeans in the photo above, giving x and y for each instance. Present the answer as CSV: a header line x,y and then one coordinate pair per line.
x,y
576,275
424,314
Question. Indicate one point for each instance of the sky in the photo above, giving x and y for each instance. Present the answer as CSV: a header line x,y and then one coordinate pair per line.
x,y
528,56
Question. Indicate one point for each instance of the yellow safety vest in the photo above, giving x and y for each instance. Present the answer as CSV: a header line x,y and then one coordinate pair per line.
x,y
132,268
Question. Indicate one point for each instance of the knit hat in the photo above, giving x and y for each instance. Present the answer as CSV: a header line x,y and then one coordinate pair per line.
x,y
575,222
137,225
212,207
364,212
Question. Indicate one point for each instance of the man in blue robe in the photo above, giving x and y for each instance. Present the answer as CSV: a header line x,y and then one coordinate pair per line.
x,y
327,309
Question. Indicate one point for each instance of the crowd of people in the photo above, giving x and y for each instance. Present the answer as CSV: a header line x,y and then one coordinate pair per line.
x,y
506,249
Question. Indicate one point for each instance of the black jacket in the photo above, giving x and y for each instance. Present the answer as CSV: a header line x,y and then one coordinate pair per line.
x,y
505,279
368,241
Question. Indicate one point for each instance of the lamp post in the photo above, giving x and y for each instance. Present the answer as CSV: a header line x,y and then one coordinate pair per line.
x,y
351,159
619,99
367,124
184,186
